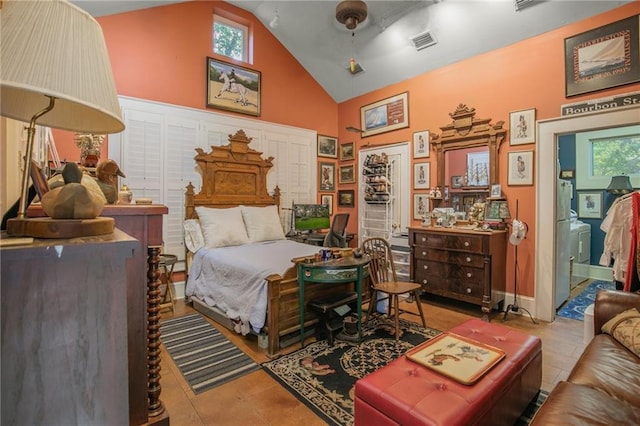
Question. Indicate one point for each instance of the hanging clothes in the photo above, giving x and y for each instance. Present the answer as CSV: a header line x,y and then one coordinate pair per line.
x,y
620,246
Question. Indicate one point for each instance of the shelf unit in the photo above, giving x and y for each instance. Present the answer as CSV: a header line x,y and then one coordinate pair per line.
x,y
378,196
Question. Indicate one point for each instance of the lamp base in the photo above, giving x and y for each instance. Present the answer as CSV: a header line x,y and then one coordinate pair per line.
x,y
46,227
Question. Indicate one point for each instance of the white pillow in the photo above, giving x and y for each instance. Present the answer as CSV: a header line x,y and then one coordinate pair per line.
x,y
262,223
222,227
193,238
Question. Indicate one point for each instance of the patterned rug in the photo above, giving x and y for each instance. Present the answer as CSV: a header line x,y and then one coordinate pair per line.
x,y
323,377
205,357
574,309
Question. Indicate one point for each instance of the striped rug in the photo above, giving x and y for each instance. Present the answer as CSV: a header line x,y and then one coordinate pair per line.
x,y
205,357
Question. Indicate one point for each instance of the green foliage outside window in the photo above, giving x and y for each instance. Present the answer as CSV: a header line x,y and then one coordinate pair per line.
x,y
615,156
228,40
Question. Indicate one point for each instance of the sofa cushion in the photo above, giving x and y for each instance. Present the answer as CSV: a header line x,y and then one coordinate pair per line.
x,y
571,404
625,328
608,366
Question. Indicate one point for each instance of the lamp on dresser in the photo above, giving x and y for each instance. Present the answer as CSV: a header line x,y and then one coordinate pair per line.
x,y
56,73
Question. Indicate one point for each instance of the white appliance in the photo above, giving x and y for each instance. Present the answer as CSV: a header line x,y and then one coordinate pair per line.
x,y
580,242
563,229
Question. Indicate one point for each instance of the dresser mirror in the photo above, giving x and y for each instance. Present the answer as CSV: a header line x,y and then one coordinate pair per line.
x,y
467,158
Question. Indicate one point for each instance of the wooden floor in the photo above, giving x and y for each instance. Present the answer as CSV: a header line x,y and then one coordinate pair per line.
x,y
256,399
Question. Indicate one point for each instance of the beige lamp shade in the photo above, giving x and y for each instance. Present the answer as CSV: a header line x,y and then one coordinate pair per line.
x,y
53,48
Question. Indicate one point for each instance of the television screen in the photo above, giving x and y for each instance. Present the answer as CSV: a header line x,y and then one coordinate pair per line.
x,y
309,217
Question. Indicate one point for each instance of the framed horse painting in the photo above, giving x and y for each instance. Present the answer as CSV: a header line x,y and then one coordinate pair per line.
x,y
232,87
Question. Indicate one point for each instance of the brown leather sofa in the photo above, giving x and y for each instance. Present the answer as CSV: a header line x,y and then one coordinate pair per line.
x,y
604,385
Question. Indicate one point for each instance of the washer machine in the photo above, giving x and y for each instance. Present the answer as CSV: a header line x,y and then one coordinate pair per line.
x,y
580,246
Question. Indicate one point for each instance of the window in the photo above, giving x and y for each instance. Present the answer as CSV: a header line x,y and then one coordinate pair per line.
x,y
604,153
230,38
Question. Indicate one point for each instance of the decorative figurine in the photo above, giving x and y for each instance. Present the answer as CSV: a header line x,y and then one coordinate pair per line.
x,y
72,200
107,180
438,192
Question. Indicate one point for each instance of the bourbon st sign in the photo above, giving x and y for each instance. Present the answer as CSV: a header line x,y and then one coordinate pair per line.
x,y
601,104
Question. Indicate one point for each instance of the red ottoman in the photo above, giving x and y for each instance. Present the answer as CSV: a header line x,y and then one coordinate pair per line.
x,y
406,393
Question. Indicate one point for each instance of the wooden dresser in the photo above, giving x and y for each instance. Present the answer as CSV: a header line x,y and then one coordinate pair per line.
x,y
461,264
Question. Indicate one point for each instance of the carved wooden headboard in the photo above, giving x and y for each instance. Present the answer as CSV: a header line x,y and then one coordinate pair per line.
x,y
232,175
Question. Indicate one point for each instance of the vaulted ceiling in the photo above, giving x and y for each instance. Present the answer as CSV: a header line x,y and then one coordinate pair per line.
x,y
381,45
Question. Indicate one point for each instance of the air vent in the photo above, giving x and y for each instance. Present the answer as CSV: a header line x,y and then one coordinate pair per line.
x,y
423,40
357,69
521,4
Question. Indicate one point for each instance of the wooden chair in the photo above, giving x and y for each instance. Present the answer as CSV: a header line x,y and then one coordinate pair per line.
x,y
383,279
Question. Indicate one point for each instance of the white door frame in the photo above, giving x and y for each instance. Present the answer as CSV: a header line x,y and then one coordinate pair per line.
x,y
546,153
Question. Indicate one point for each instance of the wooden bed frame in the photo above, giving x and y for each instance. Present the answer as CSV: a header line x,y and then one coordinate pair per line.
x,y
234,175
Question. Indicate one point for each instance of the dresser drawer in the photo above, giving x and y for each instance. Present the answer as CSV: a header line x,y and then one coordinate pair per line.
x,y
463,242
432,283
467,288
432,268
466,259
467,274
430,253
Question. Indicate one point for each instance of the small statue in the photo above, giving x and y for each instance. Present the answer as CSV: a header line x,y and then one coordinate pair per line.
x,y
438,192
72,200
107,180
432,193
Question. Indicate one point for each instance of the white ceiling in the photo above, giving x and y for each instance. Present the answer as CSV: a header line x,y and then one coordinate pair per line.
x,y
381,44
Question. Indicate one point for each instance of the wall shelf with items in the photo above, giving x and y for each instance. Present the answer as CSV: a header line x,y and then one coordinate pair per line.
x,y
377,178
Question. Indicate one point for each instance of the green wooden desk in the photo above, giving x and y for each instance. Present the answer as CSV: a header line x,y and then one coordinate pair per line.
x,y
343,270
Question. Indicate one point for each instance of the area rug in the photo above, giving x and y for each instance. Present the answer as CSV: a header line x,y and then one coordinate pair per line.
x,y
574,309
204,356
323,377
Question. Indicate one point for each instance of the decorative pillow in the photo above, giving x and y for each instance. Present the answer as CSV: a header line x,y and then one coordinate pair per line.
x,y
262,223
222,227
625,328
193,238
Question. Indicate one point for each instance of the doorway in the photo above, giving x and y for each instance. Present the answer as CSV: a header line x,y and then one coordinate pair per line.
x,y
546,153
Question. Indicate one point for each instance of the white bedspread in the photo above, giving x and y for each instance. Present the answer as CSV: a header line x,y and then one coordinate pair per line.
x,y
233,278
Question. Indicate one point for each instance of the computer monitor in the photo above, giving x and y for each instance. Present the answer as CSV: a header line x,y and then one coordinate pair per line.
x,y
311,217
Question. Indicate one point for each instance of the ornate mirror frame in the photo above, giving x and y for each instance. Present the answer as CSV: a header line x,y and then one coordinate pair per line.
x,y
466,131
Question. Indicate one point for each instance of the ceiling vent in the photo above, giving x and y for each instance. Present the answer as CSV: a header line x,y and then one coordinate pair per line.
x,y
521,4
423,40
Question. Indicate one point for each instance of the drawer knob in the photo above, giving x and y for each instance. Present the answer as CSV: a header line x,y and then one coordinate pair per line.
x,y
424,282
424,239
468,290
469,274
425,267
468,259
424,253
466,243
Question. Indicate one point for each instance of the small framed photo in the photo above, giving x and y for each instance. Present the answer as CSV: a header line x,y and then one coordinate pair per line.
x,y
347,151
346,197
590,205
327,178
421,175
568,174
520,168
522,126
347,174
421,144
327,146
496,190
420,205
456,181
327,199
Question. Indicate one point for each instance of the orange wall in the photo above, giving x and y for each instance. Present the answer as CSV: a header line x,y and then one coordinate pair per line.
x,y
159,54
525,75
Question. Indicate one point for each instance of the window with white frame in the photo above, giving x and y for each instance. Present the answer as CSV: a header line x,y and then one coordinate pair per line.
x,y
230,38
601,154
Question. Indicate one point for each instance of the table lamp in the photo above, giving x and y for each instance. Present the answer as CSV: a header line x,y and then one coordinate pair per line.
x,y
56,73
620,185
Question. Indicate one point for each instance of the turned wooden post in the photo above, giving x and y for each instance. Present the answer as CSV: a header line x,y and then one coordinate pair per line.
x,y
153,331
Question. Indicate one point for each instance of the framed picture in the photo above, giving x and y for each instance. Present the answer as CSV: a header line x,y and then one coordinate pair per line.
x,y
346,197
421,175
568,174
497,210
520,168
346,151
232,87
496,190
385,115
327,177
327,146
478,169
522,128
420,205
327,199
347,174
421,144
601,58
590,205
456,181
